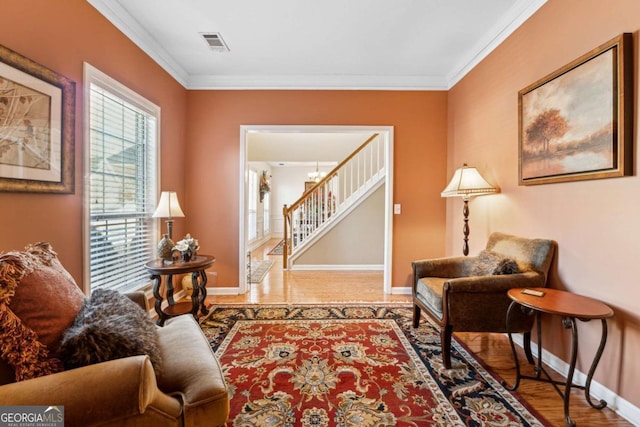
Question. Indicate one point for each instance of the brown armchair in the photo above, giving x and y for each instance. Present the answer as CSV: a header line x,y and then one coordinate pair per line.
x,y
190,389
39,305
457,299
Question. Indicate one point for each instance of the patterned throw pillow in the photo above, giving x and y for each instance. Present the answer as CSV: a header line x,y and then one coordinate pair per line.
x,y
109,326
38,300
489,263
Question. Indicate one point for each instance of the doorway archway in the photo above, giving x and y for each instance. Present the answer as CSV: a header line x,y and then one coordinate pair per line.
x,y
387,134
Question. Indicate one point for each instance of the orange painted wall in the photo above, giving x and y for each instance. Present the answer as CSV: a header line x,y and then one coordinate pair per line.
x,y
201,160
594,222
213,159
61,35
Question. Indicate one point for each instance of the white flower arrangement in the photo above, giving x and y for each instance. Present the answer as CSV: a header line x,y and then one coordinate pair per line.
x,y
188,244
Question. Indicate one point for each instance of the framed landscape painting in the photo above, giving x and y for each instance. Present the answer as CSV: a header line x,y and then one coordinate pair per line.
x,y
577,123
36,127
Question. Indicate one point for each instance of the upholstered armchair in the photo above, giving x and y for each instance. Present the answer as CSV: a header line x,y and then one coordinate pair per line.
x,y
469,294
178,382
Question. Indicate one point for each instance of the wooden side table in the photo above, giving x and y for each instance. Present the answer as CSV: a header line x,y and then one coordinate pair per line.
x,y
570,307
196,266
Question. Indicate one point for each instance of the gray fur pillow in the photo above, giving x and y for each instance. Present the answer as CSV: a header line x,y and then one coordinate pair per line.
x,y
488,263
109,326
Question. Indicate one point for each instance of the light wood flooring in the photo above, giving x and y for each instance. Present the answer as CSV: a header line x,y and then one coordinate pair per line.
x,y
280,286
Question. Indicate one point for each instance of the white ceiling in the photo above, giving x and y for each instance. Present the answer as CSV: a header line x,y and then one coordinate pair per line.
x,y
329,44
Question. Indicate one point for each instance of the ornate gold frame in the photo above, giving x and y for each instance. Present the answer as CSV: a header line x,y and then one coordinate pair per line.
x,y
65,183
558,140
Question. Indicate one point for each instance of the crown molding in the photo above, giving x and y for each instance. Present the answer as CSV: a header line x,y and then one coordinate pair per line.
x,y
318,82
131,28
118,16
522,10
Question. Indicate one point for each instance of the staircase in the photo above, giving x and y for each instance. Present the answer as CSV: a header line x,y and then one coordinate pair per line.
x,y
333,197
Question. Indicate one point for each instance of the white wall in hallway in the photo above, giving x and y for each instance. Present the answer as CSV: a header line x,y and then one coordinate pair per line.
x,y
287,185
258,167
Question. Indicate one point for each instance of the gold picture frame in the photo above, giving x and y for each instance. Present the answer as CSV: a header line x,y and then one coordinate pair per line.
x,y
577,122
37,125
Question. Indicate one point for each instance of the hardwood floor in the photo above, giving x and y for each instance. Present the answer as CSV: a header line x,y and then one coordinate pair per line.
x,y
359,286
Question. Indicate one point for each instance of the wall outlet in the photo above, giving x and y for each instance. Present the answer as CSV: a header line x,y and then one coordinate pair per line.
x,y
397,209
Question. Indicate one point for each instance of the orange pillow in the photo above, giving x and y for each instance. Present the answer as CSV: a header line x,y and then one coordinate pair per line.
x,y
39,300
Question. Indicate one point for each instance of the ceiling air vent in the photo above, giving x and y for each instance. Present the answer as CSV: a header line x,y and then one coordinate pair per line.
x,y
215,42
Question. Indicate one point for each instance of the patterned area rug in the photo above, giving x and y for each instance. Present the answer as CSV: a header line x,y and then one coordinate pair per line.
x,y
353,365
277,249
258,269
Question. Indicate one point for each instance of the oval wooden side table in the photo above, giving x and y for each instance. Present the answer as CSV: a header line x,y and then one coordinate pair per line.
x,y
570,307
196,267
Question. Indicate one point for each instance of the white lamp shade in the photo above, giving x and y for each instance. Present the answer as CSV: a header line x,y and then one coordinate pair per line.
x,y
168,207
467,182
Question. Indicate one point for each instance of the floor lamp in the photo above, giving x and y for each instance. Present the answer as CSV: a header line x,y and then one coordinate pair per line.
x,y
467,182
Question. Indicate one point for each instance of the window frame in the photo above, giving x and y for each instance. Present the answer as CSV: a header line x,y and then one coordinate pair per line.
x,y
254,184
266,214
92,75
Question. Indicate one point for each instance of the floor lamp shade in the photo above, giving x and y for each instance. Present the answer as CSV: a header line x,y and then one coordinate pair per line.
x,y
467,182
169,207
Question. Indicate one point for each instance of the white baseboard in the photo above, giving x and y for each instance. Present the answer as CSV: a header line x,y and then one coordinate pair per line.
x,y
223,291
616,403
405,290
340,267
257,243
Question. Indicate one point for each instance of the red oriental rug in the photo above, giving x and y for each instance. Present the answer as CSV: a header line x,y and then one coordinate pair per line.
x,y
353,365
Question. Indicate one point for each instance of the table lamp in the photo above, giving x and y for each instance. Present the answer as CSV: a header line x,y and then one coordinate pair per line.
x,y
467,182
169,208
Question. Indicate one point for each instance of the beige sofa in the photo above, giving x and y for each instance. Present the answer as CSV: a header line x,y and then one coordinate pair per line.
x,y
188,390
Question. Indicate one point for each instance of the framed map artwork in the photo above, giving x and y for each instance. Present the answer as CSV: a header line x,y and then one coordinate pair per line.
x,y
37,108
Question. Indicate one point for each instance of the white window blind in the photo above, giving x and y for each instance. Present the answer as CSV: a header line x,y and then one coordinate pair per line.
x,y
122,188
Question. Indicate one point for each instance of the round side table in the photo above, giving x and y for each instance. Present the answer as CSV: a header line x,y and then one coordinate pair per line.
x,y
196,267
570,307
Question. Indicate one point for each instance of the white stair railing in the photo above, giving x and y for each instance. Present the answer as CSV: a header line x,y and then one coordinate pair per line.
x,y
333,194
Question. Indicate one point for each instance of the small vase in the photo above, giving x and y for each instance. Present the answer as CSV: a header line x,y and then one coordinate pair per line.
x,y
186,256
165,247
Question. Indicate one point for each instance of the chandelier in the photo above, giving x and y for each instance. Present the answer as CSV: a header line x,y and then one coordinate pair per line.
x,y
316,176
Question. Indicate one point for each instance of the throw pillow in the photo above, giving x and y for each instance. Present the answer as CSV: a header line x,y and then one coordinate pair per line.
x,y
47,299
109,326
489,263
21,350
38,300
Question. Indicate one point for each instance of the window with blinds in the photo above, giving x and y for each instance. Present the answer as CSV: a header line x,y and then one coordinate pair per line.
x,y
122,185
